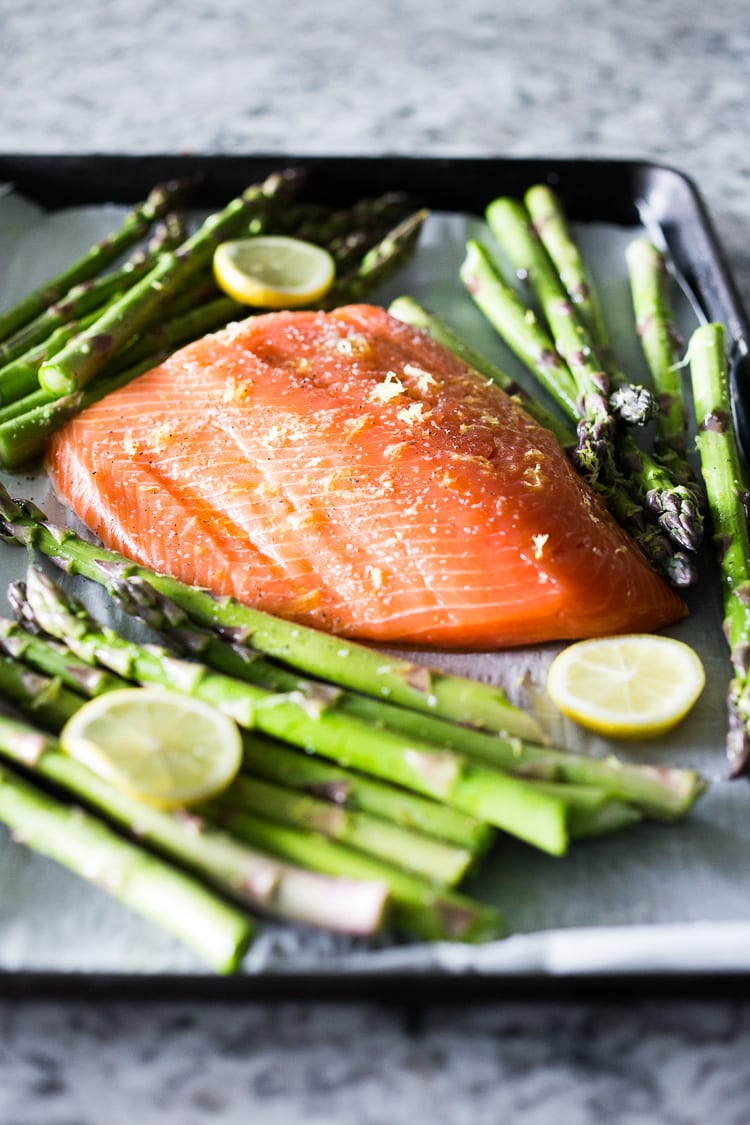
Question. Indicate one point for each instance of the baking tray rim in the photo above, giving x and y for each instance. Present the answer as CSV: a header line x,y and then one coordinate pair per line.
x,y
722,302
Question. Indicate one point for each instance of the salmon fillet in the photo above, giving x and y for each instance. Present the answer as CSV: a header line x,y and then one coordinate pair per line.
x,y
344,471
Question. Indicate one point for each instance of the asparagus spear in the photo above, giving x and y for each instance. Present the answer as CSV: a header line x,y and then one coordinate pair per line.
x,y
675,502
441,864
519,326
19,377
509,222
661,344
134,226
503,801
83,358
727,493
418,908
218,932
252,878
677,506
43,698
593,812
551,224
328,658
666,484
634,404
379,263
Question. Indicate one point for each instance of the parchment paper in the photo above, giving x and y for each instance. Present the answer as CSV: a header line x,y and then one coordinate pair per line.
x,y
649,899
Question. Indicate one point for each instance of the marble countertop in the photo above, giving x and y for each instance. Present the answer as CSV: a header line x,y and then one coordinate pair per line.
x,y
667,82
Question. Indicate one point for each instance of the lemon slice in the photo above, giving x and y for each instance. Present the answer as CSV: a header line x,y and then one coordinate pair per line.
x,y
628,687
160,746
273,271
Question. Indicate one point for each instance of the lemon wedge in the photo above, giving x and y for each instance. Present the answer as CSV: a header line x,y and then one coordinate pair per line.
x,y
273,271
159,746
628,687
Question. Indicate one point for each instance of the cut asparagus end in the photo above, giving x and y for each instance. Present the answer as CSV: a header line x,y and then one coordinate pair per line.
x,y
177,903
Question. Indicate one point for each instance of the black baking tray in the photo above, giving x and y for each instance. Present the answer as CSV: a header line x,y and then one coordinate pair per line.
x,y
610,191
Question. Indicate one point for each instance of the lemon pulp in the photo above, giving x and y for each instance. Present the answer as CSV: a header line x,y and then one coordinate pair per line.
x,y
159,746
273,271
633,686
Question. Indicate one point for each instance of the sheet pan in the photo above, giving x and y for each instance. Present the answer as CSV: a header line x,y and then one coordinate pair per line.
x,y
659,907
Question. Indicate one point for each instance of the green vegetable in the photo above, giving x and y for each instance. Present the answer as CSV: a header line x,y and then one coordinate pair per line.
x,y
727,493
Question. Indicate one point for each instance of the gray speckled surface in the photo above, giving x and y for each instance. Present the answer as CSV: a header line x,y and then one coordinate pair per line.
x,y
664,81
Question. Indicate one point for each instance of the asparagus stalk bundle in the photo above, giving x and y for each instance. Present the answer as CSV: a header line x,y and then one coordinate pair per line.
x,y
38,340
356,846
85,356
509,222
269,817
49,698
666,483
600,796
727,492
634,485
266,817
217,931
253,878
306,722
443,862
662,794
83,299
134,226
434,695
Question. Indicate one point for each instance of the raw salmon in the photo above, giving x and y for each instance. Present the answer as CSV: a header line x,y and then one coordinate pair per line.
x,y
343,470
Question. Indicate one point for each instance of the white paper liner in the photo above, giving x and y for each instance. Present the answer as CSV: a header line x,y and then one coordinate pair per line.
x,y
652,899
